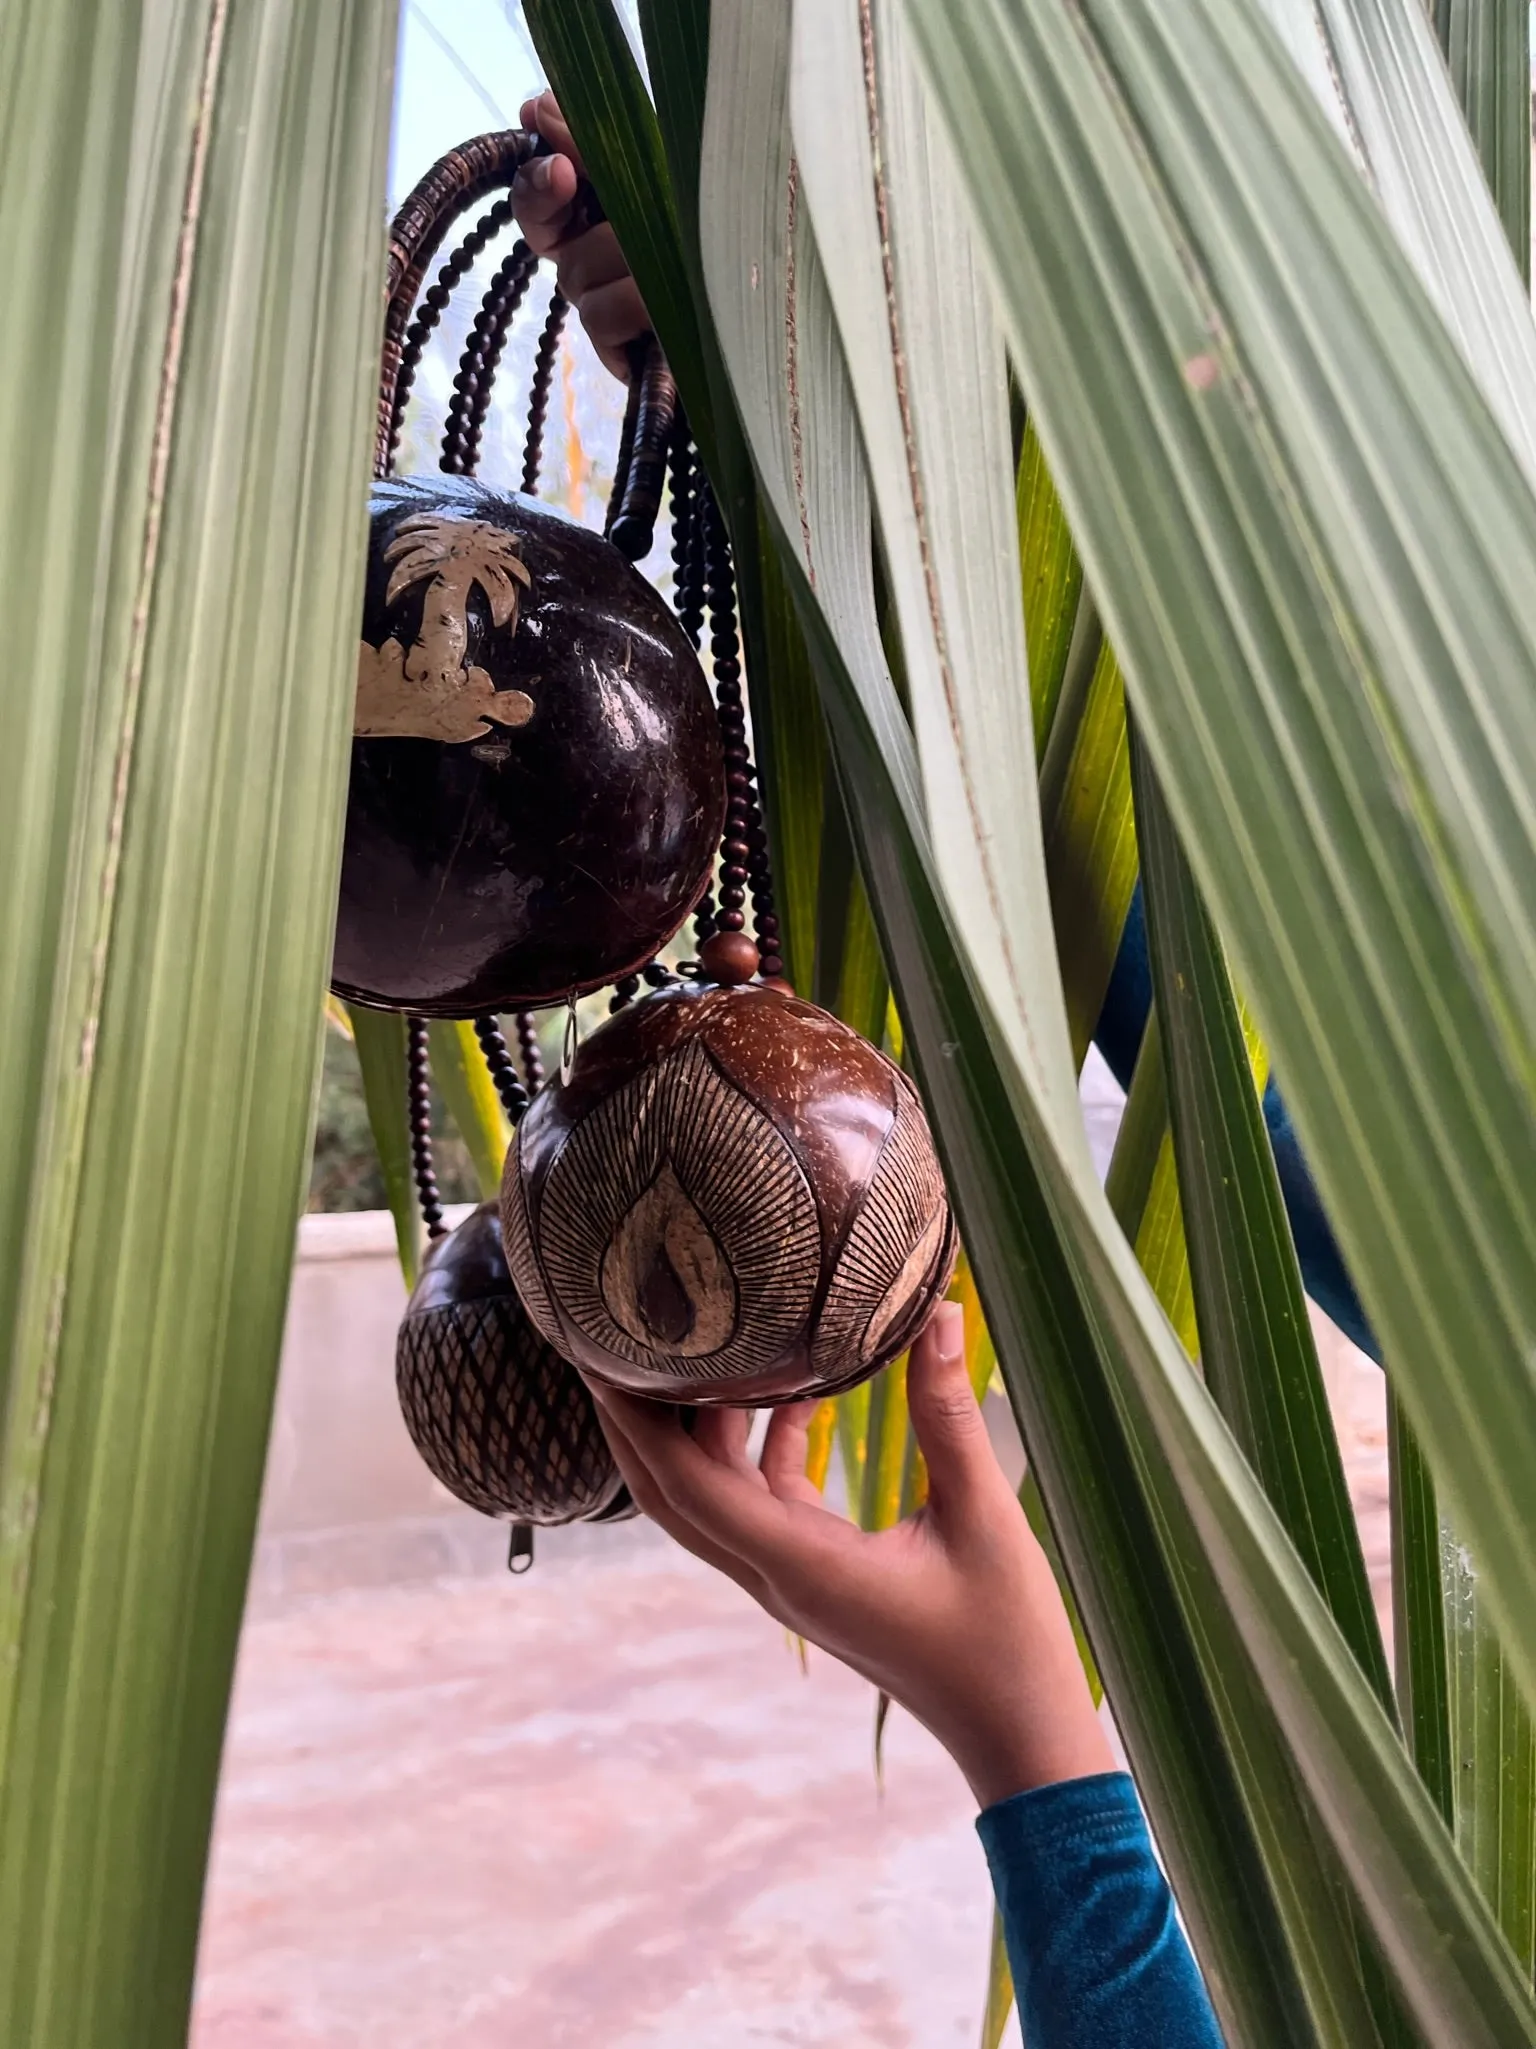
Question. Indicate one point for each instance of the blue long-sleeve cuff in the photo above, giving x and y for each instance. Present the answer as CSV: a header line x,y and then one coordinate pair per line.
x,y
1097,1953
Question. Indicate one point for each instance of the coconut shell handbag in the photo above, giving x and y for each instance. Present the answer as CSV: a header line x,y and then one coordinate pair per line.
x,y
725,1196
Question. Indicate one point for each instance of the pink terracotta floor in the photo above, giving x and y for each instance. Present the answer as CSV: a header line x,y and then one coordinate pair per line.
x,y
600,1805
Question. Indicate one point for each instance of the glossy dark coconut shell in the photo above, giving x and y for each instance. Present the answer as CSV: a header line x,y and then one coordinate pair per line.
x,y
735,1200
505,869
499,1417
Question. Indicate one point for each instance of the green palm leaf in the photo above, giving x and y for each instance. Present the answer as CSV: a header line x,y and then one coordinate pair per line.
x,y
1327,611
379,1036
1359,1767
190,215
1256,1347
464,1081
1488,47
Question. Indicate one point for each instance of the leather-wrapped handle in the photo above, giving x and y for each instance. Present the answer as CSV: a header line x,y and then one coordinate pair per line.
x,y
640,475
649,428
454,184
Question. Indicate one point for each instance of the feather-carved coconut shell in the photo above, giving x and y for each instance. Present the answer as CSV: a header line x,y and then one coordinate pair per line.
x,y
734,1200
498,1416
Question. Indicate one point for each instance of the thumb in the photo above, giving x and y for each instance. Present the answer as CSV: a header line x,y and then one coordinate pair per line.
x,y
543,113
945,1416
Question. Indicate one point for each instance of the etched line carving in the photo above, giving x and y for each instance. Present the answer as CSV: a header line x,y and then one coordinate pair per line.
x,y
890,1250
500,1419
608,1208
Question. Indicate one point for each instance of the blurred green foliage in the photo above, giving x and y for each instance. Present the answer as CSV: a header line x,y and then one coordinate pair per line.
x,y
344,1173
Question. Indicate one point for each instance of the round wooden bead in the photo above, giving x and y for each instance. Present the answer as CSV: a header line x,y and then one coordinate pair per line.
x,y
537,786
729,957
498,1416
735,1199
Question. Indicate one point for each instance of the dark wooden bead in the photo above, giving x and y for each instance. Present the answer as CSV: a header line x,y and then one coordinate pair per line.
x,y
729,957
735,1200
499,1417
504,1076
540,812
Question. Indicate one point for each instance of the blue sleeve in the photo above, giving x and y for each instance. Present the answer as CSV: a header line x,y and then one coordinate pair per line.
x,y
1097,1954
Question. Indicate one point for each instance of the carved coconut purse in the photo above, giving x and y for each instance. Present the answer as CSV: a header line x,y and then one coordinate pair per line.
x,y
536,791
500,1418
733,1199
728,1196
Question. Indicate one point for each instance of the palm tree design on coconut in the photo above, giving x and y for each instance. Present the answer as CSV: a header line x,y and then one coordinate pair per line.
x,y
429,691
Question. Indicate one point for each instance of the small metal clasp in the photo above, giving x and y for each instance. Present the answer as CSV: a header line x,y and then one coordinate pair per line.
x,y
570,1042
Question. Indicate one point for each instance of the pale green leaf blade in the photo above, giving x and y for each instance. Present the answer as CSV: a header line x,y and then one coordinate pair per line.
x,y
1473,1730
1493,1755
931,392
1053,581
749,268
1420,1900
592,68
641,158
1418,1614
464,1083
193,232
961,632
1317,557
1090,851
1488,47
1433,1914
1375,68
1256,1347
379,1036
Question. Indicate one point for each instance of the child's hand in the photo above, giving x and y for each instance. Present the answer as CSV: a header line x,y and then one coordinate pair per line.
x,y
954,1612
589,263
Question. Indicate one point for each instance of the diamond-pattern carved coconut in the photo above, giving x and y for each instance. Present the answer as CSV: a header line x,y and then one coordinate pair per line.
x,y
735,1199
499,1417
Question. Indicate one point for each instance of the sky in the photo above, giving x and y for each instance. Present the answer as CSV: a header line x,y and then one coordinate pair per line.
x,y
464,66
